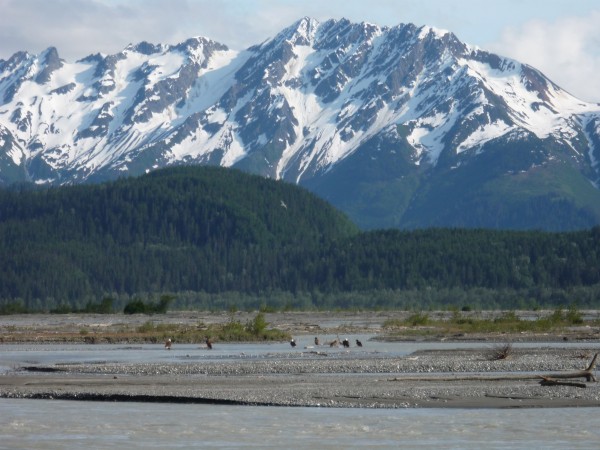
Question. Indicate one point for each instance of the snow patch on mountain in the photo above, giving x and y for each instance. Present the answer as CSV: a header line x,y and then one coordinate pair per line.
x,y
213,81
483,134
292,107
426,30
526,107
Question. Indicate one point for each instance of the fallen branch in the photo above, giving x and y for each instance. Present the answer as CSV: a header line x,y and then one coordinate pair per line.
x,y
588,373
550,378
467,377
550,382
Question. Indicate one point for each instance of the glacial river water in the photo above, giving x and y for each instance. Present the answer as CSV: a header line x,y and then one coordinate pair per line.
x,y
15,355
54,424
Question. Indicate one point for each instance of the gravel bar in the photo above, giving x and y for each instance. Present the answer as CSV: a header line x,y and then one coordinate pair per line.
x,y
431,378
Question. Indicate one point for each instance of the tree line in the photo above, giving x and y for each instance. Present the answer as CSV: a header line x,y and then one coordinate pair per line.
x,y
206,233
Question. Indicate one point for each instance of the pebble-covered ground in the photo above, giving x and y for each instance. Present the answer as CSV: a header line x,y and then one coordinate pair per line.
x,y
457,378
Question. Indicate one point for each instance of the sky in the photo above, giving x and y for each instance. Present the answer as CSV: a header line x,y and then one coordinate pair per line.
x,y
559,37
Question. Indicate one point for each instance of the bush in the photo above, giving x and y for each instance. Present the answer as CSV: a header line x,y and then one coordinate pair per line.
x,y
508,317
258,325
163,304
138,306
417,319
135,306
16,307
574,316
104,307
500,352
63,308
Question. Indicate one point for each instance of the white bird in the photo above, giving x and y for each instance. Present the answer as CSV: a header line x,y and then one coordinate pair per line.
x,y
283,204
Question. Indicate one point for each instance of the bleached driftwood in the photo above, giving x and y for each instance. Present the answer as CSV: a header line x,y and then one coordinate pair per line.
x,y
588,374
546,380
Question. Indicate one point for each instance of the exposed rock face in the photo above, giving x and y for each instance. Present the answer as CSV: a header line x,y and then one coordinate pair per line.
x,y
402,126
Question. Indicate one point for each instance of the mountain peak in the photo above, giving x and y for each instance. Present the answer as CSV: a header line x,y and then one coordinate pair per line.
x,y
425,31
301,32
199,48
50,62
343,108
145,48
15,60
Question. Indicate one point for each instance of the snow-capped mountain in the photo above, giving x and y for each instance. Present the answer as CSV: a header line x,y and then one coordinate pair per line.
x,y
401,126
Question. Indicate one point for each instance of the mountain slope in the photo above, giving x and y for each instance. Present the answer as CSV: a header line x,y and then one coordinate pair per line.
x,y
403,126
219,238
179,229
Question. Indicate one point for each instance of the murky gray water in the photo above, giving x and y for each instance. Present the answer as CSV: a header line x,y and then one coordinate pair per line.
x,y
15,355
53,424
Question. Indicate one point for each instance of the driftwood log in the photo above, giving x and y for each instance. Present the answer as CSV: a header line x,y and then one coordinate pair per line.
x,y
588,374
550,382
546,380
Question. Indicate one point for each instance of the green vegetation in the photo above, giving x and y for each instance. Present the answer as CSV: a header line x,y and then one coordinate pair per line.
x,y
104,307
138,306
231,331
531,184
218,239
417,319
255,330
459,323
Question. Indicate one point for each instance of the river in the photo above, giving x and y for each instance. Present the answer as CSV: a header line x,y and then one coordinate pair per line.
x,y
54,424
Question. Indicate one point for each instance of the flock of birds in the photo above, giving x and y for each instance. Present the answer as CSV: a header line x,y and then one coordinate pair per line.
x,y
335,343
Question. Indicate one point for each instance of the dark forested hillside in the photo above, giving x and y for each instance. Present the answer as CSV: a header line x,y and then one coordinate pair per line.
x,y
193,228
205,231
468,258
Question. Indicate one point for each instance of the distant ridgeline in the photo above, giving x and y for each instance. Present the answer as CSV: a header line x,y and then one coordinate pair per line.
x,y
218,238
